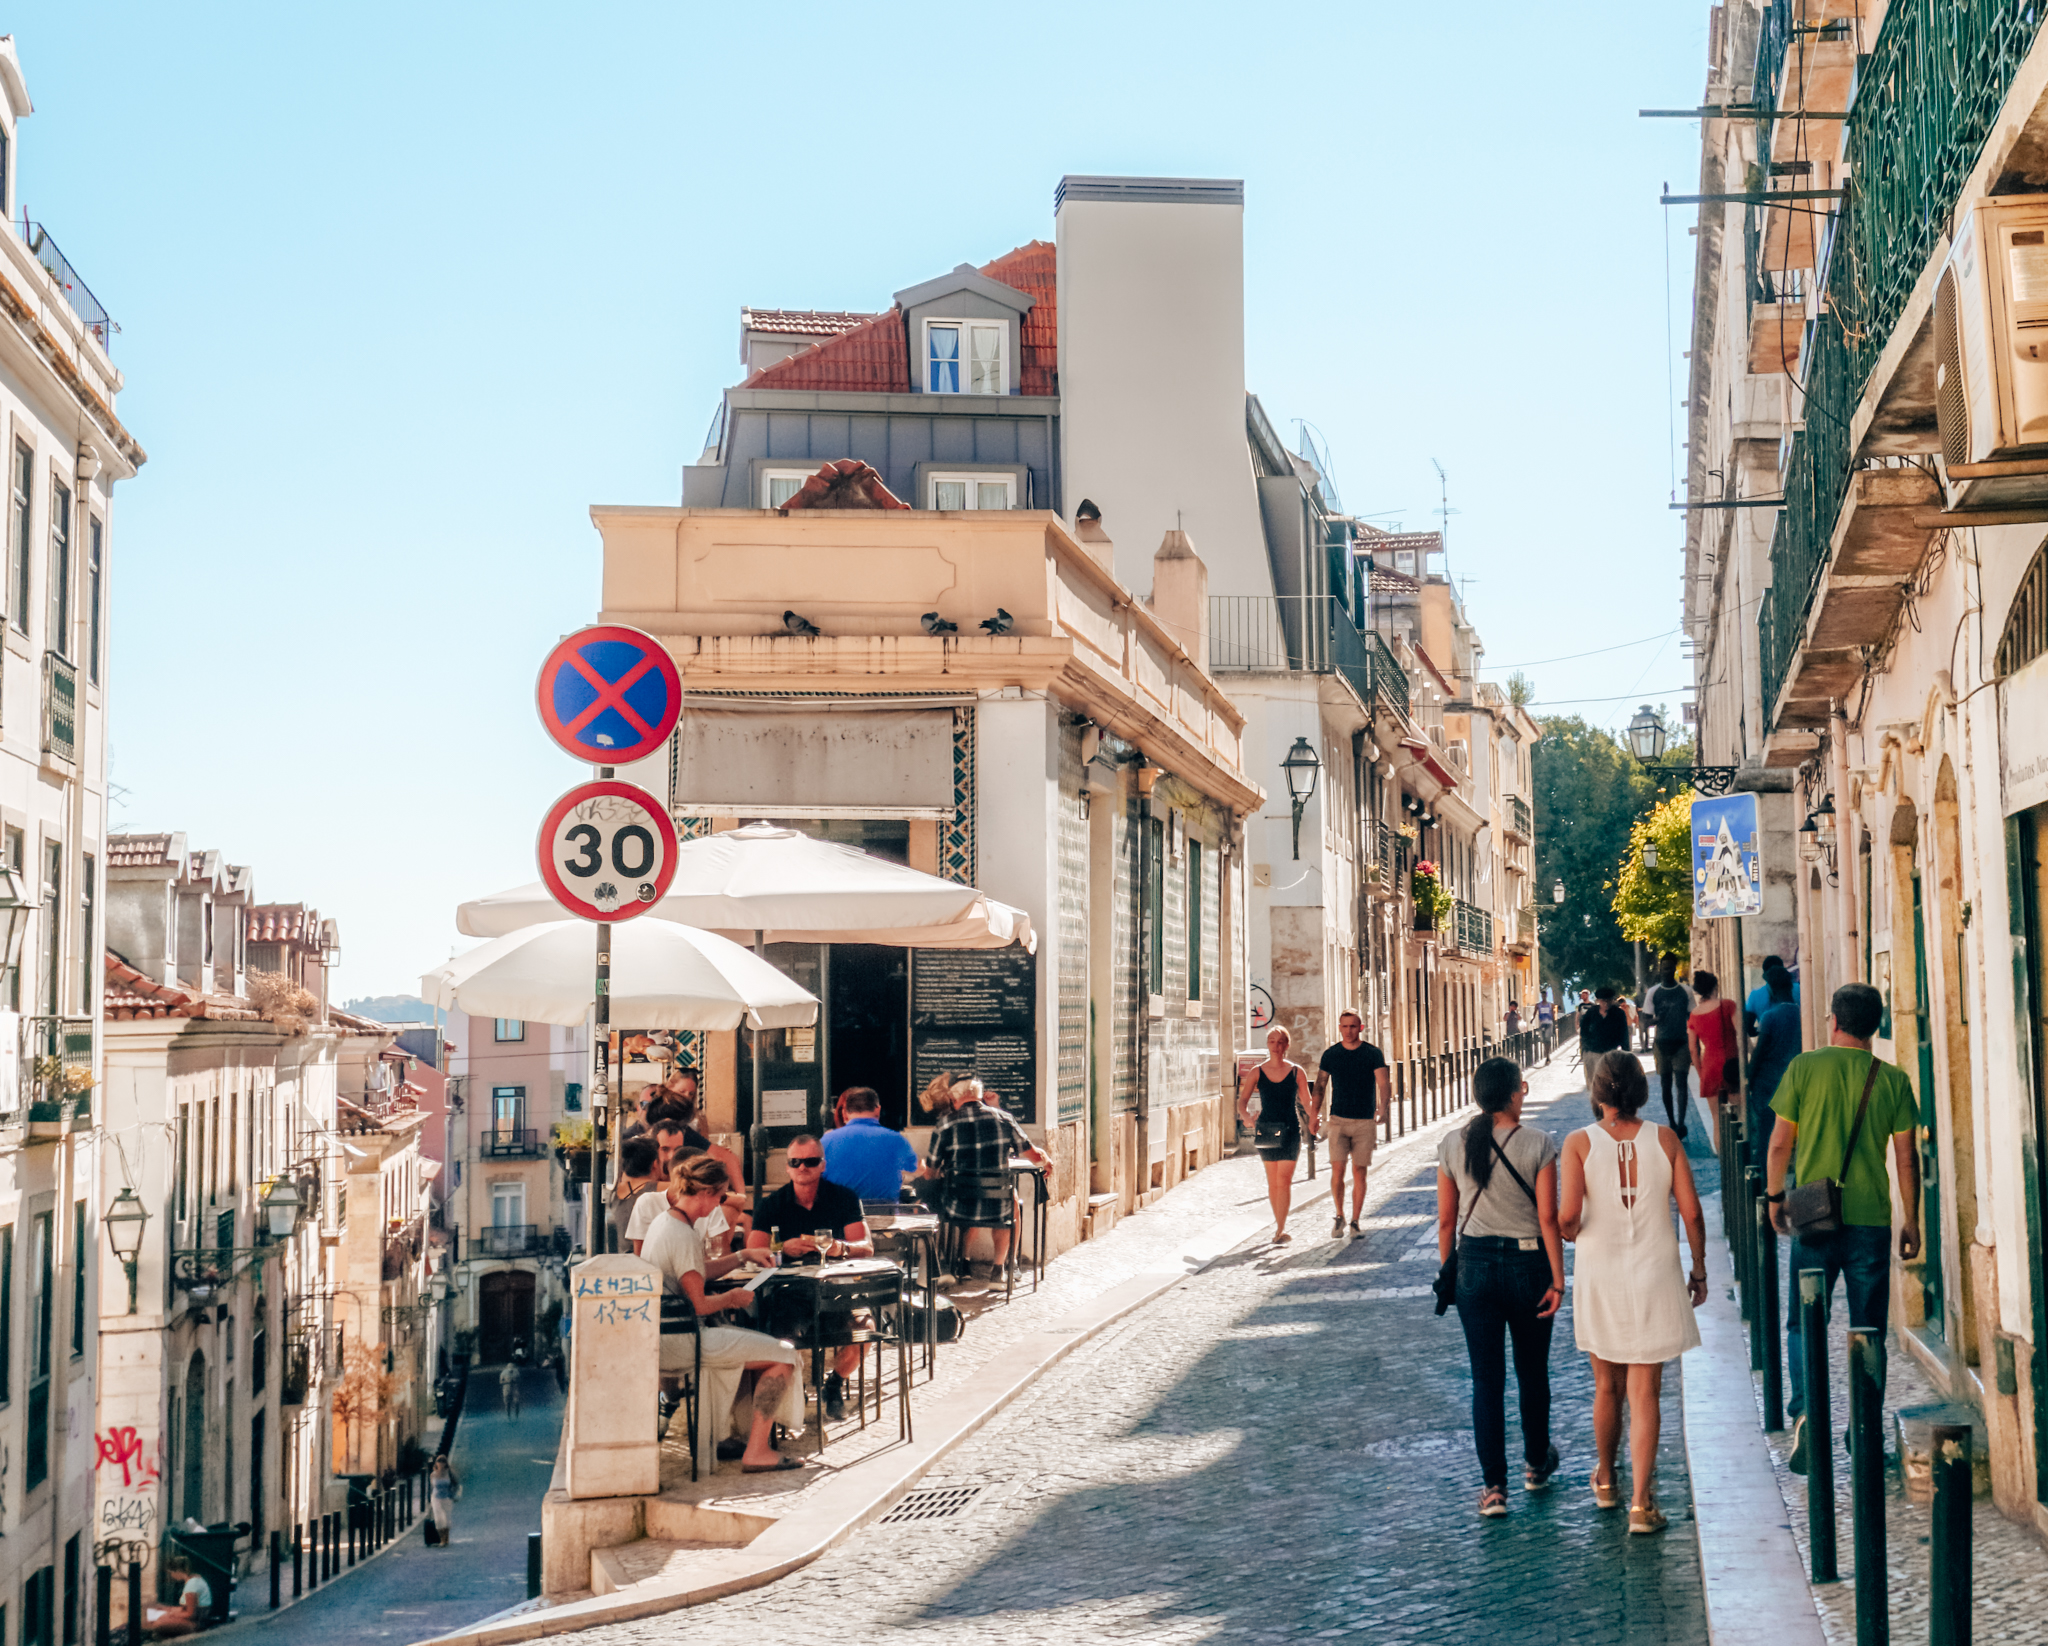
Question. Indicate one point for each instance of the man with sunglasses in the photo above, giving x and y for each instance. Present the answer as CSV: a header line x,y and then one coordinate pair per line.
x,y
807,1203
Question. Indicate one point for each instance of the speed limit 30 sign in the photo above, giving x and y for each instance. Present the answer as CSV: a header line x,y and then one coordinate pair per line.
x,y
607,851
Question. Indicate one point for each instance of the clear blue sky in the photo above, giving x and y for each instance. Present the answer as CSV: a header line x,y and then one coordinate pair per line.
x,y
405,289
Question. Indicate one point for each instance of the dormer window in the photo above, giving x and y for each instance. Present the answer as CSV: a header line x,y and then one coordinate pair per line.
x,y
965,357
972,491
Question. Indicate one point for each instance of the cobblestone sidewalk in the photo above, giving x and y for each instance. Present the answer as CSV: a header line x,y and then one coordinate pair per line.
x,y
1279,1448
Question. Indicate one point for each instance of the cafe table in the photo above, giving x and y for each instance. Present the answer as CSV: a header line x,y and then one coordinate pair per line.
x,y
919,1230
1020,1168
815,1305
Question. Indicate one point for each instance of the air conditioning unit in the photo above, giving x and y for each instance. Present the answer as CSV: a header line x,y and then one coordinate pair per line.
x,y
1991,358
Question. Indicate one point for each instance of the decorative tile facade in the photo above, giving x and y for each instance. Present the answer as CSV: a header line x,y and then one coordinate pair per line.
x,y
956,837
1072,933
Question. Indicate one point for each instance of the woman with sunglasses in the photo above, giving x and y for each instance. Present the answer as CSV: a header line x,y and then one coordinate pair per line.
x,y
808,1204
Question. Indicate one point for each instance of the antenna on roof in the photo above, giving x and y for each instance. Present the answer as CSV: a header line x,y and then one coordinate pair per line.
x,y
1444,511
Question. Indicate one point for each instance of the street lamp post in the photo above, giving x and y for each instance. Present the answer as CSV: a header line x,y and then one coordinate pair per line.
x,y
124,1220
1647,738
1302,768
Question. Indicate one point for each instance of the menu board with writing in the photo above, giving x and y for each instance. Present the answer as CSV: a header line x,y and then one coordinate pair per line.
x,y
974,1012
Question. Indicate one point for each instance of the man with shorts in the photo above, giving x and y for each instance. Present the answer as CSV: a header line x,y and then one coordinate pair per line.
x,y
1355,1073
1671,1004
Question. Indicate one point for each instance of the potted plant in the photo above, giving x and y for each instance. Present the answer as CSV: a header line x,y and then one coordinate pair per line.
x,y
1432,902
572,1148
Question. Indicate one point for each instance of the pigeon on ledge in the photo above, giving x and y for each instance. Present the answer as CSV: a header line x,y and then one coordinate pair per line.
x,y
998,624
798,625
935,624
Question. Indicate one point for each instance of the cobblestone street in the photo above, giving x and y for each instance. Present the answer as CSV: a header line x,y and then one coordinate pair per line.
x,y
1278,1448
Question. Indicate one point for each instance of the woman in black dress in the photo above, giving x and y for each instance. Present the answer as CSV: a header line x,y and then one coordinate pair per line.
x,y
1280,1086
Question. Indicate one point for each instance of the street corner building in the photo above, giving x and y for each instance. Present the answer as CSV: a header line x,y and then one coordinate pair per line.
x,y
1866,560
267,1331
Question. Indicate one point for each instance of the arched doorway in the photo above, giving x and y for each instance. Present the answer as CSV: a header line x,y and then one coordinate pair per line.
x,y
504,1314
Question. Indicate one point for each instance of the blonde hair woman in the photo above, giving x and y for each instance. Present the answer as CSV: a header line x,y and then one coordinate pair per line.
x,y
1280,1086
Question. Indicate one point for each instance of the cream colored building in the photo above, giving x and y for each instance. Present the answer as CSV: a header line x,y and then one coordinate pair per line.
x,y
1080,765
1875,641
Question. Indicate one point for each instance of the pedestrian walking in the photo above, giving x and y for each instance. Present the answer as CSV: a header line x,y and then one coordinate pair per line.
x,y
1279,1085
1603,1026
1671,1008
1354,1071
1760,997
442,1489
508,1389
1511,1022
1631,1305
1779,1037
1835,1107
1710,1038
1496,1212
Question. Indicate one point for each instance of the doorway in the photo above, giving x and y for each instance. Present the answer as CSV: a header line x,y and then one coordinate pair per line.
x,y
504,1314
1947,942
867,1006
2026,847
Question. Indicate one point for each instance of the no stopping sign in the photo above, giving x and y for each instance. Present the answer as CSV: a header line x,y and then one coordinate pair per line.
x,y
607,851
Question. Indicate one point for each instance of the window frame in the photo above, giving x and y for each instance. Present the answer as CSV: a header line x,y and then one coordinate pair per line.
x,y
95,594
1154,958
971,479
59,592
1193,920
963,363
80,1257
513,1188
42,1360
767,478
500,1037
21,527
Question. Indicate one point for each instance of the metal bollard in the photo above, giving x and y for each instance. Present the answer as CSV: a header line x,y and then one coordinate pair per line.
x,y
1759,1324
1949,1563
103,1606
533,1565
298,1561
1820,1445
1866,1485
327,1543
1767,1305
353,1532
134,1603
276,1570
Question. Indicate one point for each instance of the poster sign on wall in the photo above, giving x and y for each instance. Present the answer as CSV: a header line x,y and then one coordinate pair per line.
x,y
1727,859
974,1012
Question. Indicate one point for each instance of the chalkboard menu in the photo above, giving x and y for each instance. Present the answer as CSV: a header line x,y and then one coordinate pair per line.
x,y
974,1011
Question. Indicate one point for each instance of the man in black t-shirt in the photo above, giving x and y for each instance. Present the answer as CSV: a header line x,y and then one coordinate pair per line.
x,y
807,1203
1354,1072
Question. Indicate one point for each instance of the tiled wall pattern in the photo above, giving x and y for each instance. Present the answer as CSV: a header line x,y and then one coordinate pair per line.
x,y
1072,936
956,838
1127,998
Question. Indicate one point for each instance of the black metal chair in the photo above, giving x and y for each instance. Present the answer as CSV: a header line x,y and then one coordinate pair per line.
x,y
679,1319
916,1250
984,1187
849,1309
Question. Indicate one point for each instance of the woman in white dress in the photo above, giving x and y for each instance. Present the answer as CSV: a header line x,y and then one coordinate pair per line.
x,y
1631,1304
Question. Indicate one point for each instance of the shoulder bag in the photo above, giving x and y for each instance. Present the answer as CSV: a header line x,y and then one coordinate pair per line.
x,y
1816,1208
1446,1283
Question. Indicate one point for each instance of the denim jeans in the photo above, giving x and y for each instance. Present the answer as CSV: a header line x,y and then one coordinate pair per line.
x,y
1862,1256
1762,1122
1499,1291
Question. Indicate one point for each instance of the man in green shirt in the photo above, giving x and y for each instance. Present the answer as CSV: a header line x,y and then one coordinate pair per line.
x,y
1816,1105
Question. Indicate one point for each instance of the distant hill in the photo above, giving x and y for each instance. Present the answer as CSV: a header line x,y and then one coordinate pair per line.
x,y
391,1008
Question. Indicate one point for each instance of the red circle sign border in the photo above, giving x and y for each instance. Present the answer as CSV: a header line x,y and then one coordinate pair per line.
x,y
558,659
551,876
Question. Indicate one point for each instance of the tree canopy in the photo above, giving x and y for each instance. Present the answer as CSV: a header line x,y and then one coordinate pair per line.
x,y
1654,906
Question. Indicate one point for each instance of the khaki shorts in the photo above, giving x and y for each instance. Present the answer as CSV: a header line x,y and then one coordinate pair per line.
x,y
1349,1140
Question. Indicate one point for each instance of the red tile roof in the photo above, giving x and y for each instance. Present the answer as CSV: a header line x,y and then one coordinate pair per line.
x,y
872,357
845,483
130,995
802,322
138,851
284,923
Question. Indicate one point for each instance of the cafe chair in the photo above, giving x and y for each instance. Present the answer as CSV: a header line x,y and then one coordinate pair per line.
x,y
915,1248
678,1319
833,1319
985,1187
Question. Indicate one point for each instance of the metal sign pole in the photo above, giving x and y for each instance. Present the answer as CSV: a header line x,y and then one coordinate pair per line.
x,y
600,1093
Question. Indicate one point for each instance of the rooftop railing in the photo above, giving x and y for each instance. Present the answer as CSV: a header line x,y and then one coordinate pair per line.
x,y
76,292
1311,633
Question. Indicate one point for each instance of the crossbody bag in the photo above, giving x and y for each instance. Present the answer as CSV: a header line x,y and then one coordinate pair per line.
x,y
1816,1208
1446,1283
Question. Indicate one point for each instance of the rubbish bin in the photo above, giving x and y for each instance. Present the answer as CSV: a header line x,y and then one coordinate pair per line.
x,y
212,1553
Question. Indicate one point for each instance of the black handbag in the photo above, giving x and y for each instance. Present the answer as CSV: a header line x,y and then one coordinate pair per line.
x,y
1816,1208
1446,1283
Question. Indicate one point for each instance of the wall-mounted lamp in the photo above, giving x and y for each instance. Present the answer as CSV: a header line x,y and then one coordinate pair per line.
x,y
1557,893
1302,768
124,1220
1649,854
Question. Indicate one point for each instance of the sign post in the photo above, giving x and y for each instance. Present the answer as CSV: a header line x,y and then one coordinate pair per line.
x,y
609,695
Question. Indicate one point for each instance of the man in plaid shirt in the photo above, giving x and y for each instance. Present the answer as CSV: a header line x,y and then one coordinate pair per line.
x,y
978,1140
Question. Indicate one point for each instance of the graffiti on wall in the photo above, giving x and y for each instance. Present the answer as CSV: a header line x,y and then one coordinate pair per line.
x,y
129,1469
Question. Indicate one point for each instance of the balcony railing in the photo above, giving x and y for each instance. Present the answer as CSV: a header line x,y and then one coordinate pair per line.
x,y
56,1074
1471,927
60,707
1518,817
1310,633
507,1240
83,304
511,1142
1925,101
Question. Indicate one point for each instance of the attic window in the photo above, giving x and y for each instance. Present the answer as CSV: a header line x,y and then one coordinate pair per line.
x,y
964,358
778,486
972,491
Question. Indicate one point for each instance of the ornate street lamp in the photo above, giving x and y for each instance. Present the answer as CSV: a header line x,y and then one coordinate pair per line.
x,y
1646,735
1649,854
1647,738
1302,768
1557,894
124,1220
281,1207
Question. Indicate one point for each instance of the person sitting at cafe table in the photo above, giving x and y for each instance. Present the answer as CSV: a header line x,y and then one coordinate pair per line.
x,y
979,1142
809,1204
865,1155
675,1246
639,1179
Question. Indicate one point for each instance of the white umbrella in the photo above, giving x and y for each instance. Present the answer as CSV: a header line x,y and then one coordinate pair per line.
x,y
664,976
792,888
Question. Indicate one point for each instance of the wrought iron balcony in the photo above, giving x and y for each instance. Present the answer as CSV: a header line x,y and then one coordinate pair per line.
x,y
1313,634
511,1143
1926,98
91,313
60,707
1470,927
55,1096
507,1240
1518,817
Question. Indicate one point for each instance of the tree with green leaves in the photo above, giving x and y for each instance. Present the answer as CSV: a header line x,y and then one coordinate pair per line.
x,y
1588,793
1654,906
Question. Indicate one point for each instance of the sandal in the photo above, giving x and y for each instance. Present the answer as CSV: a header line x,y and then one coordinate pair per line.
x,y
776,1467
1493,1502
1282,1238
1647,1519
1605,1497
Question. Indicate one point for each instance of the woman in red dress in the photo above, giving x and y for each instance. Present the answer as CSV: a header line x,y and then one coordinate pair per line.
x,y
1711,1032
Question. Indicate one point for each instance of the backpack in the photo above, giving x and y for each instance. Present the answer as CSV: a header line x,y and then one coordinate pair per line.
x,y
1670,1005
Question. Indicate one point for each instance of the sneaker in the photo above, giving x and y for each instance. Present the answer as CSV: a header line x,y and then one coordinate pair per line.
x,y
1355,1229
1797,1461
665,1409
1337,1228
1535,1479
1647,1520
835,1397
1493,1502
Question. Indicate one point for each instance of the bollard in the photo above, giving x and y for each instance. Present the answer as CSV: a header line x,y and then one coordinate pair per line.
x,y
1760,1325
1767,1306
405,1503
353,1532
327,1542
1949,1572
298,1561
276,1570
134,1603
1866,1485
1820,1445
533,1565
103,1606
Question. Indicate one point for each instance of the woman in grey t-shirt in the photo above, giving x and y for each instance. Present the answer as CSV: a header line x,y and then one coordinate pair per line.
x,y
1496,1196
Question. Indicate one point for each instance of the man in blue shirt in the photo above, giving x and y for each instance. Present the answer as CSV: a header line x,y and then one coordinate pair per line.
x,y
864,1154
1759,1000
1777,1043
